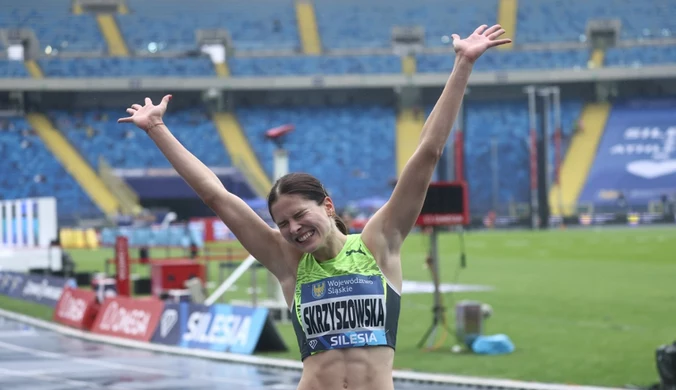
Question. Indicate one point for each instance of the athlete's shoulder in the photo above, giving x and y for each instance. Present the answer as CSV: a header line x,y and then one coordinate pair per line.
x,y
355,245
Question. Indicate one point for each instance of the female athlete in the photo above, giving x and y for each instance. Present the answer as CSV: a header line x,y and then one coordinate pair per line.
x,y
343,290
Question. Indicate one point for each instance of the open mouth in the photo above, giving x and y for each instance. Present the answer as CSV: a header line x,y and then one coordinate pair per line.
x,y
305,236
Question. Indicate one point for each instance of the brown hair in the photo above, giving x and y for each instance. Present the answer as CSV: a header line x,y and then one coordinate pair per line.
x,y
305,185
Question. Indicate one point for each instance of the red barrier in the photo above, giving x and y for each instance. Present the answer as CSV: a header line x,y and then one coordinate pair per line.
x,y
172,274
128,318
122,265
76,308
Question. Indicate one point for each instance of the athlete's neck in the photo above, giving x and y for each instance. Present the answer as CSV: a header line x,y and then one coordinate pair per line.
x,y
334,244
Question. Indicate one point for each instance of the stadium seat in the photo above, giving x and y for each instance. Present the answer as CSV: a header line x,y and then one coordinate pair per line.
x,y
54,25
356,24
336,144
30,170
172,236
327,65
119,67
259,24
96,133
506,123
561,21
12,69
512,60
640,55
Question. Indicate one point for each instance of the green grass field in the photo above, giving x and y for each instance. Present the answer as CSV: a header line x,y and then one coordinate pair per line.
x,y
581,306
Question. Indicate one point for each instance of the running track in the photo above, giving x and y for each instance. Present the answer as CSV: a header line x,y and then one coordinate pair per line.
x,y
37,359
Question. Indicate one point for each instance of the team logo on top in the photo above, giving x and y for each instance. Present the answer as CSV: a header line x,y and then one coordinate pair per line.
x,y
318,289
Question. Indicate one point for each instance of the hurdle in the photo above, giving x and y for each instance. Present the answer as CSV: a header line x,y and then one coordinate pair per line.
x,y
28,229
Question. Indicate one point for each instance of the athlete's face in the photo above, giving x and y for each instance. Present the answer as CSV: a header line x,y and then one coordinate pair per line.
x,y
303,222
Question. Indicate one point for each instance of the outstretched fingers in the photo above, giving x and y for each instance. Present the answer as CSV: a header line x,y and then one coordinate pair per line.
x,y
165,100
480,29
131,111
500,42
496,34
494,28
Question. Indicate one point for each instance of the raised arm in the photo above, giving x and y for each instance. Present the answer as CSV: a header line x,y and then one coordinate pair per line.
x,y
388,228
263,242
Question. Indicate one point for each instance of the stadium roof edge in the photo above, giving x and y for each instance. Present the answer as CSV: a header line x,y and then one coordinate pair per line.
x,y
559,76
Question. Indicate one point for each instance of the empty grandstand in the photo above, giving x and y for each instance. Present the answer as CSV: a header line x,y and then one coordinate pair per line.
x,y
573,124
392,56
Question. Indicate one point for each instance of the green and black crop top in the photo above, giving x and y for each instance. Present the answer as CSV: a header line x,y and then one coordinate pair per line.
x,y
345,302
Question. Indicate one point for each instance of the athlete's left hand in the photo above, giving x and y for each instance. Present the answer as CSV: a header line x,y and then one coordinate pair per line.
x,y
483,38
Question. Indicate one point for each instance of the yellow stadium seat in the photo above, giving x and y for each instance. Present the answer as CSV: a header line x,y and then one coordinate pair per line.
x,y
78,239
91,239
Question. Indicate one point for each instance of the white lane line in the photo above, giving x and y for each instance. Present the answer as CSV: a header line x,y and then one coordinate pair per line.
x,y
46,378
118,366
18,333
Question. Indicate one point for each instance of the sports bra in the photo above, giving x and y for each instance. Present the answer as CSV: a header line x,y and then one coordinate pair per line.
x,y
344,302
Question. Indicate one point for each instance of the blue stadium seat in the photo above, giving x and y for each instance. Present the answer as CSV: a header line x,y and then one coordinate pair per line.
x,y
97,132
640,55
12,69
563,21
349,148
173,236
285,66
54,25
512,60
257,24
119,67
352,23
31,170
507,123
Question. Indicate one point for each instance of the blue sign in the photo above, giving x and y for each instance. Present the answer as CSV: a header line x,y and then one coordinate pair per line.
x,y
223,328
41,289
168,329
636,157
11,284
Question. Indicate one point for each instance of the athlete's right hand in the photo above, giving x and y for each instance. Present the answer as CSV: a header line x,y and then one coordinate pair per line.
x,y
148,116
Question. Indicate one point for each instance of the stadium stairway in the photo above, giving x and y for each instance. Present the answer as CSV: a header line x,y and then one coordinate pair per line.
x,y
222,69
597,58
241,153
34,69
117,47
307,28
579,158
74,164
408,65
507,16
122,8
409,127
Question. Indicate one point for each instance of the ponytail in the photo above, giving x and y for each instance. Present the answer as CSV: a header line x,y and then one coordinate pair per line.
x,y
341,225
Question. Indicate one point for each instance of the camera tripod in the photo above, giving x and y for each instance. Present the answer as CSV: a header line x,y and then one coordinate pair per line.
x,y
439,318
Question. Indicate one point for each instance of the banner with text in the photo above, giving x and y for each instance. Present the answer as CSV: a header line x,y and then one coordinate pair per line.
x,y
225,328
129,318
41,289
11,284
636,158
76,308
